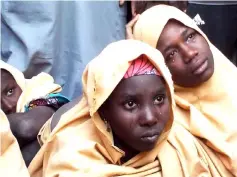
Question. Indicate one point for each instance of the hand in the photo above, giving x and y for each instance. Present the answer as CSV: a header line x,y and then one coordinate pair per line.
x,y
129,27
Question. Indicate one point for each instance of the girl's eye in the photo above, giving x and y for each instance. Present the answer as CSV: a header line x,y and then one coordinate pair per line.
x,y
130,105
10,92
159,100
171,56
191,36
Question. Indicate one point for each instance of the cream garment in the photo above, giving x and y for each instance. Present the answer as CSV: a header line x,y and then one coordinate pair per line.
x,y
216,123
80,145
11,160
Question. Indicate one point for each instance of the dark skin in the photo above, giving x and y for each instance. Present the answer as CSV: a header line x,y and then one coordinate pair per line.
x,y
24,126
187,54
137,116
29,151
10,92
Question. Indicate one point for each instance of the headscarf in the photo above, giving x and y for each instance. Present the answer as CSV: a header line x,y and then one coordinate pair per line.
x,y
80,144
11,160
141,66
17,75
215,122
35,91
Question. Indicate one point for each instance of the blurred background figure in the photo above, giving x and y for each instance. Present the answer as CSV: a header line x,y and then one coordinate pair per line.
x,y
58,37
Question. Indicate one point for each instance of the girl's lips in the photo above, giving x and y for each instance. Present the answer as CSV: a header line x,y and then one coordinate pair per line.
x,y
150,139
201,68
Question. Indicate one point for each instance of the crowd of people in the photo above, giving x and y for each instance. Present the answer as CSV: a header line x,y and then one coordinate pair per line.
x,y
159,102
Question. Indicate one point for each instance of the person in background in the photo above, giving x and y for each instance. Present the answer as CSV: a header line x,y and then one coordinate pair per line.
x,y
58,37
198,70
28,104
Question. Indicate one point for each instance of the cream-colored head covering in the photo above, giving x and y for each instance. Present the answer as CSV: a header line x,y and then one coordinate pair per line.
x,y
101,77
80,145
215,99
152,22
37,87
17,75
11,161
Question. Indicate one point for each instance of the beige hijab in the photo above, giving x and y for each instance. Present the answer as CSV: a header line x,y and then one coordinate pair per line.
x,y
215,122
34,88
11,161
80,145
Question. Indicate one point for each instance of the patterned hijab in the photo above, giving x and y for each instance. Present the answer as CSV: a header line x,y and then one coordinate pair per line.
x,y
141,66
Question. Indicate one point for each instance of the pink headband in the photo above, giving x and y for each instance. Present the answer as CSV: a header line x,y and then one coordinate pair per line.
x,y
141,66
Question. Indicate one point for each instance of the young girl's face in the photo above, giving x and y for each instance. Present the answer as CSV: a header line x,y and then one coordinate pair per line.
x,y
10,92
187,54
138,111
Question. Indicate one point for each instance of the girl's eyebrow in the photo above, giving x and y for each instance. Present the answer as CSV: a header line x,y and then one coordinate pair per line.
x,y
184,33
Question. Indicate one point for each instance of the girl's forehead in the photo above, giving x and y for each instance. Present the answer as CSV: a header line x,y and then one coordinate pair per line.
x,y
6,75
141,84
